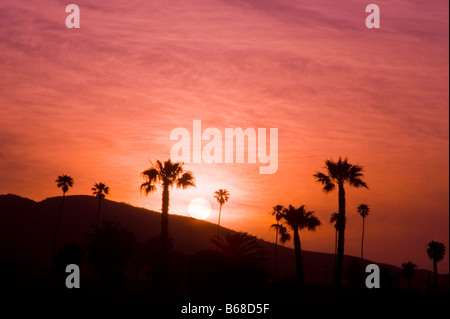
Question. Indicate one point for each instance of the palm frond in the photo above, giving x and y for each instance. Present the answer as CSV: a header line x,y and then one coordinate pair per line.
x,y
334,218
152,177
300,218
147,188
173,170
333,168
285,238
275,226
326,181
186,180
284,235
356,182
312,222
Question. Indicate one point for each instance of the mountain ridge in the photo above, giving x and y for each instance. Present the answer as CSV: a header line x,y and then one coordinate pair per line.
x,y
27,228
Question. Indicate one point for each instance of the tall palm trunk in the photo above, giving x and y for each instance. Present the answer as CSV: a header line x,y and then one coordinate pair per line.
x,y
218,223
362,241
298,259
275,255
55,235
164,240
435,276
98,212
335,250
341,237
165,216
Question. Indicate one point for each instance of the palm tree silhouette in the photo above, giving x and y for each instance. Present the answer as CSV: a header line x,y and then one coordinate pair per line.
x,y
64,182
222,196
408,271
100,191
436,252
339,173
363,210
281,231
166,174
297,219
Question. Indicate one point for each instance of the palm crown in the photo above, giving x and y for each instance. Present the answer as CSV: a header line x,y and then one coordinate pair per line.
x,y
300,218
436,251
278,212
222,196
64,182
100,190
166,174
338,173
363,210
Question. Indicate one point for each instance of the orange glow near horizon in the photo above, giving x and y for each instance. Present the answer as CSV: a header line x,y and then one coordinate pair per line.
x,y
97,103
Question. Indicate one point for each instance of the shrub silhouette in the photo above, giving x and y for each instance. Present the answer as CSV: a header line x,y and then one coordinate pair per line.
x,y
110,249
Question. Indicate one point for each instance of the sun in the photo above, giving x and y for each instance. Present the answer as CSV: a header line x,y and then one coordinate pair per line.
x,y
199,208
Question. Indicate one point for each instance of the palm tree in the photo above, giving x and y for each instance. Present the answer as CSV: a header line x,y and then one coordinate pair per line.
x,y
100,191
166,174
339,173
436,252
281,231
408,271
64,182
297,219
363,210
222,197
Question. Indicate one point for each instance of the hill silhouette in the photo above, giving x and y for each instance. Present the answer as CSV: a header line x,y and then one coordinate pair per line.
x,y
26,229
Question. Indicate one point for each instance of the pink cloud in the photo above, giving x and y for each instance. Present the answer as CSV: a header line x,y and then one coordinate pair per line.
x,y
98,101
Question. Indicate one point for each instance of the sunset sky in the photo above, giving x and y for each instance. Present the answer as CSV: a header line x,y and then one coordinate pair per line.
x,y
98,102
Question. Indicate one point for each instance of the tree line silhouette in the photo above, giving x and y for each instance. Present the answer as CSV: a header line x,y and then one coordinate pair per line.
x,y
237,258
